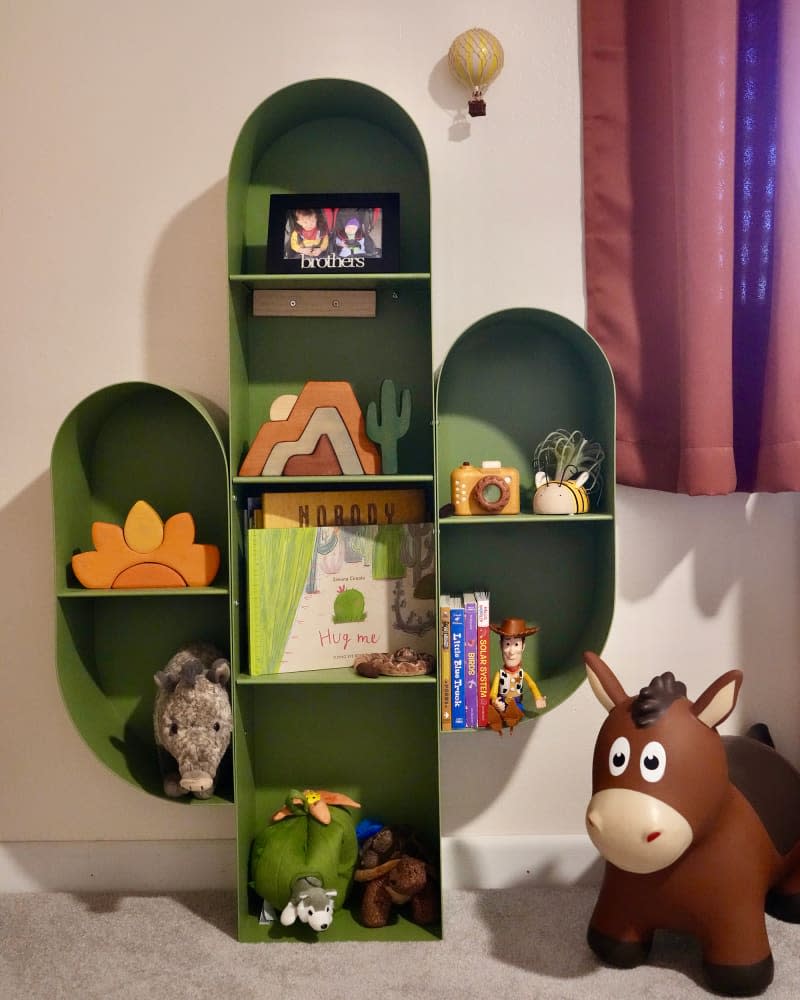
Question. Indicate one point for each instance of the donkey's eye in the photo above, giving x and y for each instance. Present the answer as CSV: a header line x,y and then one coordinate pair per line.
x,y
653,761
619,755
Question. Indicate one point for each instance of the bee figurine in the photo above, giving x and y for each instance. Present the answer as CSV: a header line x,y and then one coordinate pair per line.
x,y
565,496
566,470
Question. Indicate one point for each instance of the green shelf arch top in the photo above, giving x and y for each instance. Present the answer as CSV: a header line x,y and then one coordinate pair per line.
x,y
330,135
127,442
507,381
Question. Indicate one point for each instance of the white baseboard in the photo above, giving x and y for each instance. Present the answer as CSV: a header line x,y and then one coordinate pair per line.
x,y
503,862
179,865
117,866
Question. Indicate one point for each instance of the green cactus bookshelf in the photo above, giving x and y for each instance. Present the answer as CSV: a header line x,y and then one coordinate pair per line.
x,y
375,740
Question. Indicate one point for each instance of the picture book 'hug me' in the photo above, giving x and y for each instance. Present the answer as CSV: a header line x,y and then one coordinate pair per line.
x,y
320,597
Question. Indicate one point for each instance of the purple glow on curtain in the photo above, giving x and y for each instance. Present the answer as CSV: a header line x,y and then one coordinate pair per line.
x,y
754,232
691,156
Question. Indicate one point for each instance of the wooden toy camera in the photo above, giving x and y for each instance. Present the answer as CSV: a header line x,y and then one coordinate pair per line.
x,y
490,489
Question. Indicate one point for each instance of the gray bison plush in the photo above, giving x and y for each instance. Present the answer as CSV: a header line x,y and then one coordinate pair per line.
x,y
192,719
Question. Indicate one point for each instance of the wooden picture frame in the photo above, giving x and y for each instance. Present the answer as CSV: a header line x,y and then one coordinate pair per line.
x,y
326,234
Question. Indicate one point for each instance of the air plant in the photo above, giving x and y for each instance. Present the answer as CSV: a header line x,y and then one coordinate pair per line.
x,y
564,455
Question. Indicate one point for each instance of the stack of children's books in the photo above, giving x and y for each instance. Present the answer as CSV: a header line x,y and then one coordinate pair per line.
x,y
464,662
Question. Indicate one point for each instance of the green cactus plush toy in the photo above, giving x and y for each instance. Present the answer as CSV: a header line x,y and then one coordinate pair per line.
x,y
305,858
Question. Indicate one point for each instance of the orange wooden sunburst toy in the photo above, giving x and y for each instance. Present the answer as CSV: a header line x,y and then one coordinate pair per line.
x,y
147,552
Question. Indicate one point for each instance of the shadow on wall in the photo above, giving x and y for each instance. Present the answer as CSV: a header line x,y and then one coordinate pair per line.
x,y
473,753
452,98
186,303
36,727
740,545
26,536
769,624
713,529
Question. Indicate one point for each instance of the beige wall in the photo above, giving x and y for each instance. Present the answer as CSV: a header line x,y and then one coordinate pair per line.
x,y
118,121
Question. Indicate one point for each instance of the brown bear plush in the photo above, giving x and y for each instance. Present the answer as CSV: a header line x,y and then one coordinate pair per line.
x,y
394,871
403,880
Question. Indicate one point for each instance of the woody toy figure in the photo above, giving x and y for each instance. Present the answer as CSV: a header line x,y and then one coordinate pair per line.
x,y
505,696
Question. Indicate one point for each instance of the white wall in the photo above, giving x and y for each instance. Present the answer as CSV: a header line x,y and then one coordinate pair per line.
x,y
118,122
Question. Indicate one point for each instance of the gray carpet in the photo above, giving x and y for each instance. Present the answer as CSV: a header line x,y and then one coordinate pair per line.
x,y
517,943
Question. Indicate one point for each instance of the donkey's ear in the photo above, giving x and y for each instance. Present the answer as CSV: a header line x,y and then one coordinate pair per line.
x,y
717,702
602,680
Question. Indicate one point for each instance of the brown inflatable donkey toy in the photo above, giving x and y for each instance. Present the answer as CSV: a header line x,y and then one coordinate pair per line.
x,y
697,830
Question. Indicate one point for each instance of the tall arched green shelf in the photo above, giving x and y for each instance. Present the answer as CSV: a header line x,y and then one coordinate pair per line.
x,y
509,380
127,442
377,741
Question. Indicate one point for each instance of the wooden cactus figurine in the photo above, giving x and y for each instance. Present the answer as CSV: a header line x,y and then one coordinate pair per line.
x,y
392,425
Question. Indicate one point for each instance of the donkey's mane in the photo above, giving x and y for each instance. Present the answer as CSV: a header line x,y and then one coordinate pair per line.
x,y
652,701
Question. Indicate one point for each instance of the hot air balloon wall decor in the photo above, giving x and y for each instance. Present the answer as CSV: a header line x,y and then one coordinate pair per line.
x,y
475,58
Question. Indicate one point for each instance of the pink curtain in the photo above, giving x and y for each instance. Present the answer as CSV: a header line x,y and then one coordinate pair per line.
x,y
692,244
